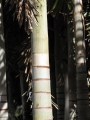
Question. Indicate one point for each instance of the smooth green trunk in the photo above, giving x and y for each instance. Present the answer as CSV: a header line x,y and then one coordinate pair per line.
x,y
42,108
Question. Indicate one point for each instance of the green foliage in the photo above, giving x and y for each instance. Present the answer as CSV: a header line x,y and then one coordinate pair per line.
x,y
18,111
69,6
55,4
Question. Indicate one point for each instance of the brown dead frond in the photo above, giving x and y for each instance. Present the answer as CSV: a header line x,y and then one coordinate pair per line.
x,y
25,11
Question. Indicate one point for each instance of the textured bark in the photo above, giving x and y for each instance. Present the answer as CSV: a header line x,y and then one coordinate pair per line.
x,y
81,76
3,93
42,109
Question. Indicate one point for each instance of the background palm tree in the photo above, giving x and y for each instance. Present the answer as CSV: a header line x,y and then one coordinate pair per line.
x,y
71,63
18,46
81,76
3,85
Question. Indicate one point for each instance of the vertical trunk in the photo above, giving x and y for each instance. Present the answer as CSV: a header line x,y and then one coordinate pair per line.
x,y
52,63
53,90
66,89
42,109
71,67
81,76
10,95
22,87
66,86
59,68
25,107
3,93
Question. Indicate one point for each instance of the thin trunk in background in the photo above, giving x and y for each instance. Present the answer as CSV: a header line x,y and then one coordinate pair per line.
x,y
66,82
52,64
81,76
71,67
66,89
42,108
59,68
3,89
25,106
11,109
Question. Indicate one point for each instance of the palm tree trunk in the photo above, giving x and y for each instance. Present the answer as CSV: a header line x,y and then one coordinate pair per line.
x,y
58,70
52,64
3,92
25,110
10,94
81,76
66,89
71,66
42,109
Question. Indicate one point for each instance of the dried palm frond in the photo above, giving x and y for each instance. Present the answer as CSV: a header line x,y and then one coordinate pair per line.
x,y
25,11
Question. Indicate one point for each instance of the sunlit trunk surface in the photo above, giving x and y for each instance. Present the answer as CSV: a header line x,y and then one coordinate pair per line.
x,y
42,109
81,76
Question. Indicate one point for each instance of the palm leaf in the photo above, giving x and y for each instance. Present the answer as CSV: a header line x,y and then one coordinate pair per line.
x,y
25,12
